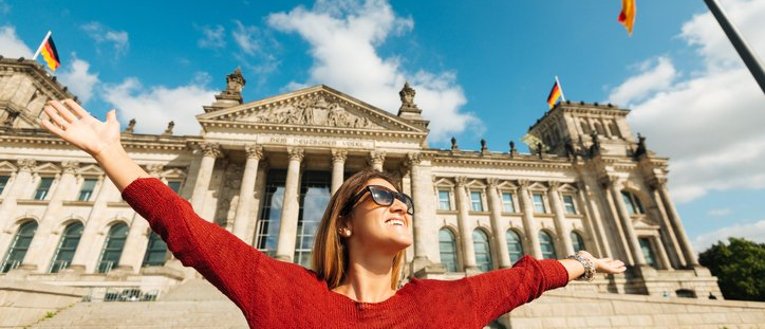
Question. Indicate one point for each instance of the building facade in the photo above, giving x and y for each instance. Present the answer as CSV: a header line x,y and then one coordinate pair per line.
x,y
265,170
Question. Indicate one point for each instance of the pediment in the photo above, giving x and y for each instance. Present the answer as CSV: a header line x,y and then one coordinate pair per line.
x,y
91,170
48,168
318,106
6,166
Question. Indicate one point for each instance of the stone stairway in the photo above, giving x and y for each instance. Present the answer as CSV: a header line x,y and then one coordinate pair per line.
x,y
193,304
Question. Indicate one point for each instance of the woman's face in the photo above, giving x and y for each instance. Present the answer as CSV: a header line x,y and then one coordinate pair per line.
x,y
383,228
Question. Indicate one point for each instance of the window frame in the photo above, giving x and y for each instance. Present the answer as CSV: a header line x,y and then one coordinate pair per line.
x,y
46,193
541,203
473,202
90,196
573,210
448,199
505,203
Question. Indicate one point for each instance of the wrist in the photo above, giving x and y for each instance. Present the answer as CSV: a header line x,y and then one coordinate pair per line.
x,y
589,263
108,151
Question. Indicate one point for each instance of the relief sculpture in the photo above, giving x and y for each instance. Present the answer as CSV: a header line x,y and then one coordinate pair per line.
x,y
313,111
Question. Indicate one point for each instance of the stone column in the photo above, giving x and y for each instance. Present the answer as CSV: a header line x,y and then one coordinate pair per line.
x,y
529,224
594,223
260,191
663,258
614,188
44,244
376,160
285,248
674,218
338,168
247,191
85,258
463,221
210,151
560,218
668,233
500,238
17,185
426,253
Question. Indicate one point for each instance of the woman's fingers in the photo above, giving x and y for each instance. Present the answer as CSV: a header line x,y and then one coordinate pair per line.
x,y
63,111
52,128
76,108
53,115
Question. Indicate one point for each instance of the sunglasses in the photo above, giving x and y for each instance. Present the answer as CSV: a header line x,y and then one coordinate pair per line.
x,y
382,196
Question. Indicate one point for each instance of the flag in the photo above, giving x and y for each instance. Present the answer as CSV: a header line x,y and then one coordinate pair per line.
x,y
627,16
555,94
49,53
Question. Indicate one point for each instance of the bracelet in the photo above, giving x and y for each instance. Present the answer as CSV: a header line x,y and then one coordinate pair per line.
x,y
589,265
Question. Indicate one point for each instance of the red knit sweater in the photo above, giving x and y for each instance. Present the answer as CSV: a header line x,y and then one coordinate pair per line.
x,y
276,294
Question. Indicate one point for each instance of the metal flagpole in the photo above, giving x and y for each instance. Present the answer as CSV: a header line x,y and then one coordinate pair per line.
x,y
39,49
749,58
562,97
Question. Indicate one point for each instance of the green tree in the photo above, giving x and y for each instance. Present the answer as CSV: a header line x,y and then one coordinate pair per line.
x,y
739,266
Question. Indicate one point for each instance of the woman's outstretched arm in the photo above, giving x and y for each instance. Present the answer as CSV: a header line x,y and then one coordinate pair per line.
x,y
101,140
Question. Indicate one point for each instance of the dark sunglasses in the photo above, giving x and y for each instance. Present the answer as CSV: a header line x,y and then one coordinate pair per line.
x,y
380,195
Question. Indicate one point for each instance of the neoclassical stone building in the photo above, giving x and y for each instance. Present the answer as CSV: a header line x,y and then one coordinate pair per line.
x,y
265,169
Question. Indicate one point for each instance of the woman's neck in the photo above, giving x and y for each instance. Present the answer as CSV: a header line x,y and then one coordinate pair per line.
x,y
368,279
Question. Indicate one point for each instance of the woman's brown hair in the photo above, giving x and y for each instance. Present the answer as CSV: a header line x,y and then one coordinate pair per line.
x,y
330,250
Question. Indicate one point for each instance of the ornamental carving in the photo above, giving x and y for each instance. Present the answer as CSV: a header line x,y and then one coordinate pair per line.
x,y
554,185
254,151
339,155
376,157
296,153
211,150
314,110
155,169
26,164
70,167
413,159
460,181
523,183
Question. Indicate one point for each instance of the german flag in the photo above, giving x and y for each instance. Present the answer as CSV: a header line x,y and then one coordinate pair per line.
x,y
49,53
627,16
555,94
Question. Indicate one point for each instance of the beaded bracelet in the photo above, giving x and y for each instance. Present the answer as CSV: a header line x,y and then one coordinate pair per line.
x,y
589,265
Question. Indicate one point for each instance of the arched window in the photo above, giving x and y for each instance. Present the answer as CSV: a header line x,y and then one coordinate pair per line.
x,y
514,246
632,202
156,251
67,246
577,241
115,241
19,246
448,249
614,129
547,245
482,250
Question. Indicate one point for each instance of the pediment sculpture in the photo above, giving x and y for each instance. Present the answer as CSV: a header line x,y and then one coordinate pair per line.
x,y
311,111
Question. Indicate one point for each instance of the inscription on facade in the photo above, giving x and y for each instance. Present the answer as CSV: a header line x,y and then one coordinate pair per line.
x,y
305,141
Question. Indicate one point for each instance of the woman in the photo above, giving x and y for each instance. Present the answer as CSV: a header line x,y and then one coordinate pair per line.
x,y
357,256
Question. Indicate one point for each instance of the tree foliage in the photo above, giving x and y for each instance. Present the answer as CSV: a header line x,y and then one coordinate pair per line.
x,y
739,266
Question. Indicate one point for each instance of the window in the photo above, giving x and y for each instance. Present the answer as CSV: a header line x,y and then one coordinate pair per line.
x,y
267,233
648,254
475,201
539,203
614,129
86,191
482,250
3,183
19,246
632,203
548,247
115,241
174,185
514,246
156,251
568,204
577,241
67,246
585,127
507,202
444,200
314,197
43,188
448,249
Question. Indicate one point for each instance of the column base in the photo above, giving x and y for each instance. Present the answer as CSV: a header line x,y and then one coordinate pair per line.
x,y
701,271
74,268
283,258
422,267
472,270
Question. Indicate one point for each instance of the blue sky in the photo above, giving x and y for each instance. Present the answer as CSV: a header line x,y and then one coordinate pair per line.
x,y
481,71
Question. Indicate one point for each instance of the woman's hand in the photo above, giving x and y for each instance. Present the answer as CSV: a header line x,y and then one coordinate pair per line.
x,y
606,265
72,123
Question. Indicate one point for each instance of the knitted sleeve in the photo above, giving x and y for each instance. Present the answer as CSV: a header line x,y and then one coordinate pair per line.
x,y
497,292
223,259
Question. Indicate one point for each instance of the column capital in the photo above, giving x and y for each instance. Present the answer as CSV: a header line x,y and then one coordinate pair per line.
x,y
413,158
339,155
376,157
493,182
211,150
460,180
296,153
254,151
657,182
554,185
26,164
581,185
610,181
523,183
70,167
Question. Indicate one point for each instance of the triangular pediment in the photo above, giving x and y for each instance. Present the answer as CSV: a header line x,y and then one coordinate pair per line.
x,y
319,106
91,170
6,166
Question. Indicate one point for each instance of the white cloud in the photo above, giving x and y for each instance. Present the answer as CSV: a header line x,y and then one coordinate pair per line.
x,y
257,50
102,34
247,38
79,80
154,107
710,122
752,231
343,36
10,44
212,37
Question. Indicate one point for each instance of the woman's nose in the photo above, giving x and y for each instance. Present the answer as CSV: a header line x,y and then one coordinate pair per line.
x,y
398,206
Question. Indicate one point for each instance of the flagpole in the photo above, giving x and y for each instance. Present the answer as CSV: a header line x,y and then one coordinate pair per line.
x,y
749,58
39,49
562,97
